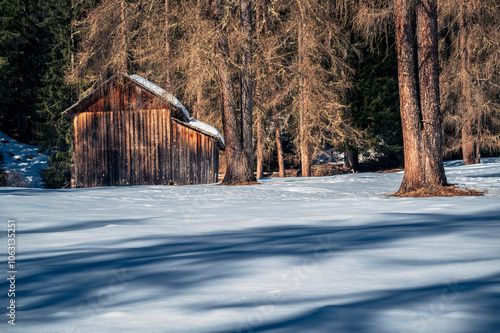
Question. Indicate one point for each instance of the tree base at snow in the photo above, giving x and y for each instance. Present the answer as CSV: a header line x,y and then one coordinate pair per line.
x,y
442,191
240,176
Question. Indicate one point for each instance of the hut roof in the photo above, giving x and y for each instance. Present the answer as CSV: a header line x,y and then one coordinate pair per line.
x,y
207,129
158,92
78,107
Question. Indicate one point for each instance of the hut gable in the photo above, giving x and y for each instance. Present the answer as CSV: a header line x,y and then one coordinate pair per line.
x,y
129,131
125,93
160,93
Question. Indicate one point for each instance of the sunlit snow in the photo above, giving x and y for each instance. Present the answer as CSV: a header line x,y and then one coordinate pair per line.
x,y
23,160
329,254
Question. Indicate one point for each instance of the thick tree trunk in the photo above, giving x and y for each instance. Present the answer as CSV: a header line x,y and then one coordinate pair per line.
x,y
303,119
468,152
419,94
237,170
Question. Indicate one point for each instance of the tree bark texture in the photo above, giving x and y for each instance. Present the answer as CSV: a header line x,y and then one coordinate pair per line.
x,y
276,119
123,17
247,80
303,118
418,76
238,170
260,147
468,151
198,107
168,74
351,158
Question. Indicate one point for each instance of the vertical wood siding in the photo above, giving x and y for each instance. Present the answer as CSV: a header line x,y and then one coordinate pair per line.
x,y
145,147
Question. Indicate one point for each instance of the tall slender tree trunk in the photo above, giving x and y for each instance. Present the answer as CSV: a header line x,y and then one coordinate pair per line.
x,y
276,119
168,67
260,147
238,170
303,118
123,17
279,148
259,151
199,85
247,81
468,152
478,141
417,43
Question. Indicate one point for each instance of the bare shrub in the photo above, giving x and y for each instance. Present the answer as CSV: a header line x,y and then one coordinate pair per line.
x,y
16,179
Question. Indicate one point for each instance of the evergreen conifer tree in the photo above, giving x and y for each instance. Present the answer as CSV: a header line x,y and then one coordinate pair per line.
x,y
54,95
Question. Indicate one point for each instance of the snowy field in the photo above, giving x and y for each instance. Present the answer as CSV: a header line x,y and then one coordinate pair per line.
x,y
330,254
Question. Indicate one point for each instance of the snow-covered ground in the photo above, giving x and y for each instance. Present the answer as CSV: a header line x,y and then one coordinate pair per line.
x,y
331,254
23,159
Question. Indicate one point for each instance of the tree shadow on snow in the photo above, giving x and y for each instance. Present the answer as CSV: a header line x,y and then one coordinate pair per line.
x,y
81,282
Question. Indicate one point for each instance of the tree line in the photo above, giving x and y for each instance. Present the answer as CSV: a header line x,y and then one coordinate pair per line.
x,y
281,79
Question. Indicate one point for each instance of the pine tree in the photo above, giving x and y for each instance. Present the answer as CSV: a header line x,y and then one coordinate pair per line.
x,y
23,41
374,101
53,130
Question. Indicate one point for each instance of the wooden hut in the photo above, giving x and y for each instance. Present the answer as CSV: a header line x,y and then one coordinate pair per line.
x,y
131,132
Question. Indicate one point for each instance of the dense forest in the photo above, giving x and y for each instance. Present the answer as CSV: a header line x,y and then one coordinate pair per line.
x,y
285,81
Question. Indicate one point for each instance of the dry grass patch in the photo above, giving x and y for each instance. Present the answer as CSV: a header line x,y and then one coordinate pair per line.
x,y
445,191
390,170
240,184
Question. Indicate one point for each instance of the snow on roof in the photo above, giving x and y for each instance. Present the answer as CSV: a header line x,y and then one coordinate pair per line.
x,y
161,92
207,128
158,91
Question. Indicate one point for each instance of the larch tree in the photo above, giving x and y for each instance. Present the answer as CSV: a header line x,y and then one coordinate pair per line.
x,y
124,46
167,59
471,76
269,97
304,92
103,43
246,84
322,75
154,44
418,76
238,166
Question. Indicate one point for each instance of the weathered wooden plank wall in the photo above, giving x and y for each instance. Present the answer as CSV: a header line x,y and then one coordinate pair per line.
x,y
143,147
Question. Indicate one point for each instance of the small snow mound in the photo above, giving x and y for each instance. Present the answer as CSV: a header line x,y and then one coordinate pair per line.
x,y
206,128
159,91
